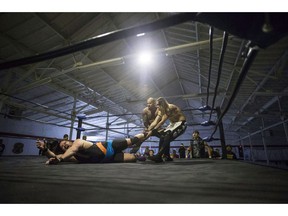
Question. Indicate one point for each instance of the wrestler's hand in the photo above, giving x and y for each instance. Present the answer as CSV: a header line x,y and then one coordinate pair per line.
x,y
52,161
40,144
148,133
154,132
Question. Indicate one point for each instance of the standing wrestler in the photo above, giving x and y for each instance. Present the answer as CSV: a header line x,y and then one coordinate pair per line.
x,y
177,126
88,152
149,114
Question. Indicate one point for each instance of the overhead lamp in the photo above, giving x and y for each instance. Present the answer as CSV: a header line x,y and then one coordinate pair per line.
x,y
209,139
204,108
144,58
140,35
208,123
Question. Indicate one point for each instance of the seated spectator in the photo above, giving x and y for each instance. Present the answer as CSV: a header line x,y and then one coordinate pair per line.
x,y
216,154
151,152
230,154
65,137
188,152
146,152
174,154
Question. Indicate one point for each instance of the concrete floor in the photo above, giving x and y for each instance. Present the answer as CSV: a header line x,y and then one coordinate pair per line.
x,y
28,180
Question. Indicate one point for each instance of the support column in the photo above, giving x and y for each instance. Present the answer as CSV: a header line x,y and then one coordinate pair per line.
x,y
73,116
282,119
251,148
285,129
107,126
243,149
222,135
264,143
1,105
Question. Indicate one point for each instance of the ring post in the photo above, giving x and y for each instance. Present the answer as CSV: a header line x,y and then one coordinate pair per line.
x,y
79,128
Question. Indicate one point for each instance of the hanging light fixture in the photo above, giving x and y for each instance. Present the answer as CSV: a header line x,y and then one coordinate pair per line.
x,y
204,108
208,123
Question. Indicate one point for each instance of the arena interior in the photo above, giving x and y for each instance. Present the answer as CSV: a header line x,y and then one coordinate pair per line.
x,y
90,74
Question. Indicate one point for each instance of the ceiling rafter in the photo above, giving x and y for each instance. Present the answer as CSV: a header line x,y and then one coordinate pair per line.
x,y
56,31
260,86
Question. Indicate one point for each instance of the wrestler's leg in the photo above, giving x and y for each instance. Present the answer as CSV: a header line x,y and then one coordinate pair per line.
x,y
165,147
124,157
161,147
165,140
121,144
129,157
136,146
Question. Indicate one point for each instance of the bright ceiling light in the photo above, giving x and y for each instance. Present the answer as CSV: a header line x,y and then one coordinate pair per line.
x,y
140,35
145,58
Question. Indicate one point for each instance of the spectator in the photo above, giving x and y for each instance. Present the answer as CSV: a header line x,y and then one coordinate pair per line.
x,y
151,152
2,147
182,151
188,152
230,154
65,137
216,153
174,154
198,146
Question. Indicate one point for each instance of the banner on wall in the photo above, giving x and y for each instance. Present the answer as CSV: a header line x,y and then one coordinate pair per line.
x,y
2,147
18,148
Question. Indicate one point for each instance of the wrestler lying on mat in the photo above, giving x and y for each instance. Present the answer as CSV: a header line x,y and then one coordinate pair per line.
x,y
87,152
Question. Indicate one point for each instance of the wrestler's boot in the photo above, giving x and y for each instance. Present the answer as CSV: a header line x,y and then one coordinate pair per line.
x,y
164,148
167,157
137,141
135,148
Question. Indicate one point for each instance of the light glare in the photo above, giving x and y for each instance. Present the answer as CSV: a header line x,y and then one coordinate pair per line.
x,y
145,58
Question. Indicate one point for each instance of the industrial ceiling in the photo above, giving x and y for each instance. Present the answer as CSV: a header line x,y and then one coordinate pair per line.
x,y
55,66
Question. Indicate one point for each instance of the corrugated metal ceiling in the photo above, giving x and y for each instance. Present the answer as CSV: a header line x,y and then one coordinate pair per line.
x,y
85,82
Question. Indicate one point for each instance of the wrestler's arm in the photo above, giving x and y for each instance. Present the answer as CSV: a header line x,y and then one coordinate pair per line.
x,y
155,122
49,153
56,159
145,118
73,149
40,144
161,122
69,153
179,112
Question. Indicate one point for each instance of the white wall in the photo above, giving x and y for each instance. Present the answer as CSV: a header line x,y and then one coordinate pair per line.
x,y
28,149
28,128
